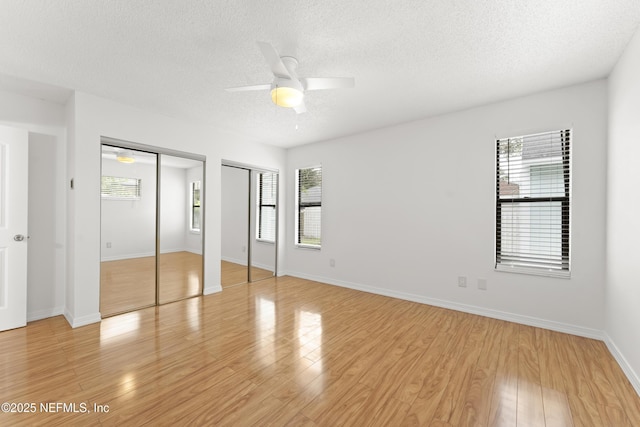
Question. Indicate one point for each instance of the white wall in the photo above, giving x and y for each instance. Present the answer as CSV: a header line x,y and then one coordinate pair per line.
x,y
623,213
90,117
45,122
45,276
407,209
129,226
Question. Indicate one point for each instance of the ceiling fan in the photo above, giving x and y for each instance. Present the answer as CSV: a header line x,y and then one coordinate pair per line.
x,y
287,89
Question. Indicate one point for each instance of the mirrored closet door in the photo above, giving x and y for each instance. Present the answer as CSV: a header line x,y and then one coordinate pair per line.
x,y
151,227
128,230
180,262
249,224
234,264
263,224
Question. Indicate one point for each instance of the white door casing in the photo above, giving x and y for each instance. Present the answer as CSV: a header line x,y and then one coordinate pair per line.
x,y
14,163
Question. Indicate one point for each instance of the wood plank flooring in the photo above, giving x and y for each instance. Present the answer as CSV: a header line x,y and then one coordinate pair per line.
x,y
287,351
130,284
232,274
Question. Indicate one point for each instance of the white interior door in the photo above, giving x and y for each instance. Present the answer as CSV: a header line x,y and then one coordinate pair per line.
x,y
14,162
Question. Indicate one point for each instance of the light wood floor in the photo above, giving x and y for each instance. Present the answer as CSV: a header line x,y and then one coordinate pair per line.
x,y
288,351
130,284
235,274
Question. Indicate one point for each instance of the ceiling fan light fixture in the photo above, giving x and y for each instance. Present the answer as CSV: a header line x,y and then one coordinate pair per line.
x,y
125,157
285,96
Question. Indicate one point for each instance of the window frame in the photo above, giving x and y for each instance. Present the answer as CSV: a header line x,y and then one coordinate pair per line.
x,y
193,206
300,206
566,136
261,205
113,196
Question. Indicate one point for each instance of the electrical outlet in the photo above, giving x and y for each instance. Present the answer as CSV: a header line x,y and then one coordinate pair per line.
x,y
108,245
462,281
482,284
332,262
244,249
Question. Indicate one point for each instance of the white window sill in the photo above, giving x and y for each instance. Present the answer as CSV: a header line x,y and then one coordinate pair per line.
x,y
533,271
266,242
312,247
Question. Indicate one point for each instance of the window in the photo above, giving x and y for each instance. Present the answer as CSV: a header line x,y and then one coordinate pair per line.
x,y
266,226
118,188
309,206
533,186
195,206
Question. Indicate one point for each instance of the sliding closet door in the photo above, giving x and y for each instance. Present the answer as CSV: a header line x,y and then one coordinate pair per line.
x,y
264,210
235,226
128,230
180,267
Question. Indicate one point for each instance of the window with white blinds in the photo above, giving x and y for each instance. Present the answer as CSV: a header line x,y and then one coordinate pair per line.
x,y
309,207
533,190
195,206
119,188
266,218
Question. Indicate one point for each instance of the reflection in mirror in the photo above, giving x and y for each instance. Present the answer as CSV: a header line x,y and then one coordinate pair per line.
x,y
263,223
235,226
180,264
128,230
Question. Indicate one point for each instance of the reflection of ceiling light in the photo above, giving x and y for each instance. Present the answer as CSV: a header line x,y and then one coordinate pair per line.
x,y
286,96
125,157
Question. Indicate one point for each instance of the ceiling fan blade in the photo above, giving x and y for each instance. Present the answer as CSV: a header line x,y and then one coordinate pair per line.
x,y
300,108
273,59
318,83
246,88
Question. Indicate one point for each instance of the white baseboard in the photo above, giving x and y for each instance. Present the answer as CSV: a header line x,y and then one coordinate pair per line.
x,y
263,266
76,322
633,377
234,260
630,373
127,256
211,290
481,311
43,314
145,254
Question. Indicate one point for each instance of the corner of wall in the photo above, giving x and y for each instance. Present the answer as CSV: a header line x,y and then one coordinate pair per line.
x,y
76,322
44,314
212,290
631,374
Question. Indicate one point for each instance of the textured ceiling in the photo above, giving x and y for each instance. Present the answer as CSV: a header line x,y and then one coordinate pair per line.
x,y
410,59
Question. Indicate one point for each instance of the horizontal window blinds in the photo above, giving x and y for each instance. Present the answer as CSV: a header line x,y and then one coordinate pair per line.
x,y
309,197
267,185
114,187
195,205
533,187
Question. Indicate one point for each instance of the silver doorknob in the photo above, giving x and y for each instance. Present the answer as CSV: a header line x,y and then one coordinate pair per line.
x,y
18,237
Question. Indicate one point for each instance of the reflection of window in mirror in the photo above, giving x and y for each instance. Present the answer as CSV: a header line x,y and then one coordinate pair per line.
x,y
118,188
195,206
266,218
